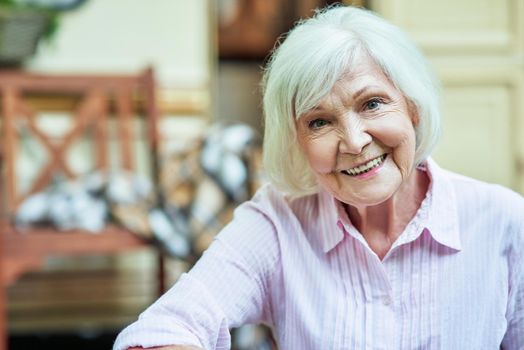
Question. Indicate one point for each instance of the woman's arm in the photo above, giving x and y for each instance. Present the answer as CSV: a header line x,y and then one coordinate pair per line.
x,y
514,338
229,286
170,347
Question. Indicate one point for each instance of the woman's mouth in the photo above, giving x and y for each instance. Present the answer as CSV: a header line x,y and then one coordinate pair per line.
x,y
367,167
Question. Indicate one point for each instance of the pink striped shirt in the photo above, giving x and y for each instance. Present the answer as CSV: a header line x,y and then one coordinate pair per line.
x,y
454,279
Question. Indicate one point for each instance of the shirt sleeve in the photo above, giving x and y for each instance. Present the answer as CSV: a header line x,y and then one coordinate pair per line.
x,y
514,337
228,286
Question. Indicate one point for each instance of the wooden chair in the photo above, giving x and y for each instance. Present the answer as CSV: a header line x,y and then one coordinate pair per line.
x,y
20,253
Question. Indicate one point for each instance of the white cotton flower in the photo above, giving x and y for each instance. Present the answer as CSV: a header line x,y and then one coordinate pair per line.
x,y
233,176
174,241
34,209
236,137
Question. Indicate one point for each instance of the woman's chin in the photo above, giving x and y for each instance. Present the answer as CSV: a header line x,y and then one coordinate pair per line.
x,y
370,194
366,200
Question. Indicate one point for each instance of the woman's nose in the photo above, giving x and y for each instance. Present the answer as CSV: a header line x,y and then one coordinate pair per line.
x,y
354,137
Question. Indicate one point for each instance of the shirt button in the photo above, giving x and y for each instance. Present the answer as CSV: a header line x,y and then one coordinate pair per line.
x,y
386,300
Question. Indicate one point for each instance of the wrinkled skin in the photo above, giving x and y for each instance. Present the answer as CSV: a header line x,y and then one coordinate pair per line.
x,y
365,117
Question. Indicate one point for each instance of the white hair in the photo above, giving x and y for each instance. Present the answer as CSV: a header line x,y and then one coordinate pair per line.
x,y
308,63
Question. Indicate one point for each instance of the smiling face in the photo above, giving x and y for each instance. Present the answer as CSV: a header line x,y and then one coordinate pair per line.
x,y
360,139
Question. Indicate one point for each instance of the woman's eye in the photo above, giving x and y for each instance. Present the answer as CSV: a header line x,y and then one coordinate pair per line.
x,y
372,104
317,123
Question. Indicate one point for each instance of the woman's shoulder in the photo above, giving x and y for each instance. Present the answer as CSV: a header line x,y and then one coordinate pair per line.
x,y
468,187
489,201
276,204
277,214
269,207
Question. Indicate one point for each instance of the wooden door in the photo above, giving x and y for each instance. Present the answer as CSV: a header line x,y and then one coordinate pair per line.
x,y
477,50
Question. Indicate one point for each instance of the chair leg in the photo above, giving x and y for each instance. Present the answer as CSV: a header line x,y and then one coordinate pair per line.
x,y
161,274
3,318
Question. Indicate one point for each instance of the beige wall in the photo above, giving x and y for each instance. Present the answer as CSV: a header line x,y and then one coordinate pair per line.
x,y
126,35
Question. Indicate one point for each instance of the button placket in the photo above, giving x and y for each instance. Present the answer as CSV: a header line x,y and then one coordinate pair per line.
x,y
389,301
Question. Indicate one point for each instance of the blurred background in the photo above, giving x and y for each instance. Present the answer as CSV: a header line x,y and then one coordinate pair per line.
x,y
205,59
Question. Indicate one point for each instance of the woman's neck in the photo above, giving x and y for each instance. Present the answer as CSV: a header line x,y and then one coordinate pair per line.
x,y
382,224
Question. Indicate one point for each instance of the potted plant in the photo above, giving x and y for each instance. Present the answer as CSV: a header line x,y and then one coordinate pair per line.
x,y
23,23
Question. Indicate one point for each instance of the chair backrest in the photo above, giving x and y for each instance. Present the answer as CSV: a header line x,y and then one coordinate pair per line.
x,y
95,99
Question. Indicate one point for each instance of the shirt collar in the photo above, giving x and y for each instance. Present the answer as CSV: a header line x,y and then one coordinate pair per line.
x,y
438,214
443,222
332,211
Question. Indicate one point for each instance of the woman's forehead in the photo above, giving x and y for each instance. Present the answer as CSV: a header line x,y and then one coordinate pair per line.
x,y
362,67
356,73
364,77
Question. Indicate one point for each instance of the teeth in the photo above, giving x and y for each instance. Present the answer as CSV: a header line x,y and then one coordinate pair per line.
x,y
366,167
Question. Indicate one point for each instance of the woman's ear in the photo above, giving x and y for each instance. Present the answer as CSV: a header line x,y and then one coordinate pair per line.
x,y
413,112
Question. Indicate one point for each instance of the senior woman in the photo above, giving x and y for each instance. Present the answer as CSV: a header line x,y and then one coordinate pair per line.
x,y
360,241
